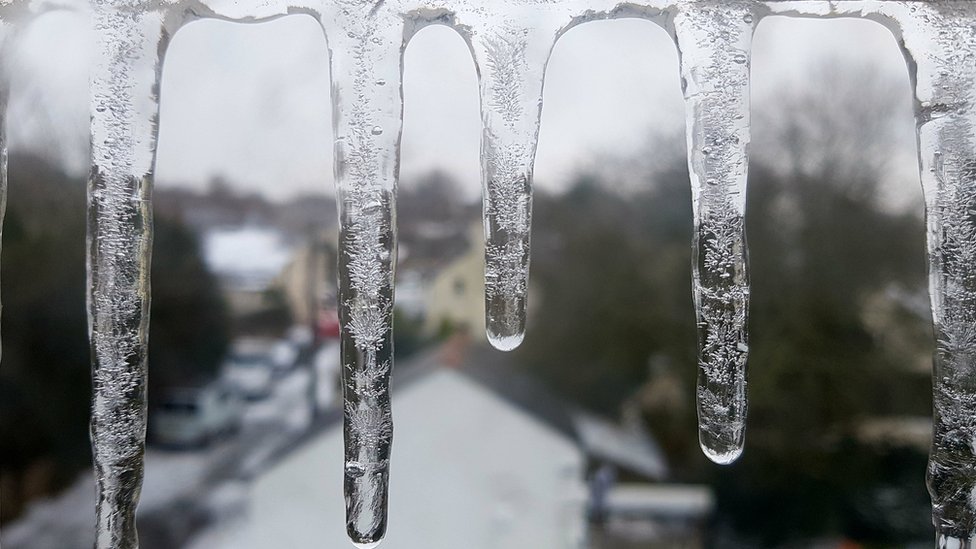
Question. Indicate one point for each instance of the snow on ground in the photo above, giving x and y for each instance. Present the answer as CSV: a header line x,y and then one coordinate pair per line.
x,y
171,474
67,521
64,522
174,477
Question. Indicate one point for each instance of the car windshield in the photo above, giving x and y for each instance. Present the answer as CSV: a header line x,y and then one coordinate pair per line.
x,y
249,360
180,406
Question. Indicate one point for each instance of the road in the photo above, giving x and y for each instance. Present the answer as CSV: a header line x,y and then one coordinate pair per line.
x,y
183,490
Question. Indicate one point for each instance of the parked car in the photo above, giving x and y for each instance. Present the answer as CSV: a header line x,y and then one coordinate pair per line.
x,y
283,354
299,335
196,416
249,369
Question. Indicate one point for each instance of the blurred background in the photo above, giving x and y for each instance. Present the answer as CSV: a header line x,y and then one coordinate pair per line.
x,y
585,436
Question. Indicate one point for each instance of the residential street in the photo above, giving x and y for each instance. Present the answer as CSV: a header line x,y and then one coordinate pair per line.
x,y
184,489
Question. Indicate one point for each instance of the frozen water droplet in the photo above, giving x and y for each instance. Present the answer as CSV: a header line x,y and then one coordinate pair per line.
x,y
381,82
740,58
377,130
747,18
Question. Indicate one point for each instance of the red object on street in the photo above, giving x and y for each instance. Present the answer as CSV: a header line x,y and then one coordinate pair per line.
x,y
327,324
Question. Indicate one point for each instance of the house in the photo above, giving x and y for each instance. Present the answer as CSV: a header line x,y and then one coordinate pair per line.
x,y
469,468
246,261
308,281
446,295
456,294
483,456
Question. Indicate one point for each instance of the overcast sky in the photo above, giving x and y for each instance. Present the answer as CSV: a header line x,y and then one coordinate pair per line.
x,y
251,102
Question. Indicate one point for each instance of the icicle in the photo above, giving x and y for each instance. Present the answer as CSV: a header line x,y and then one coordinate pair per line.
x,y
941,40
366,44
511,56
123,137
714,39
4,93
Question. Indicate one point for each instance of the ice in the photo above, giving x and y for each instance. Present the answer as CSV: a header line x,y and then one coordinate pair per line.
x,y
947,542
511,41
714,41
366,44
4,90
511,55
939,38
123,137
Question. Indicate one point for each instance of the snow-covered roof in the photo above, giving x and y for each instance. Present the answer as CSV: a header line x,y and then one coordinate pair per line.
x,y
598,438
246,258
467,466
630,449
660,500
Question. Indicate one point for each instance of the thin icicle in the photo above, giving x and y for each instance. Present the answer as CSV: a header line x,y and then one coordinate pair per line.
x,y
511,55
366,47
4,94
940,38
123,137
714,39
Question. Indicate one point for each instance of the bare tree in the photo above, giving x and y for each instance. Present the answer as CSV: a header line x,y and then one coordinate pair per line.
x,y
842,125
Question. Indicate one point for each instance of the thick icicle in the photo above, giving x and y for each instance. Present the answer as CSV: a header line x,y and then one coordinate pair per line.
x,y
511,55
941,40
714,39
124,106
366,44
